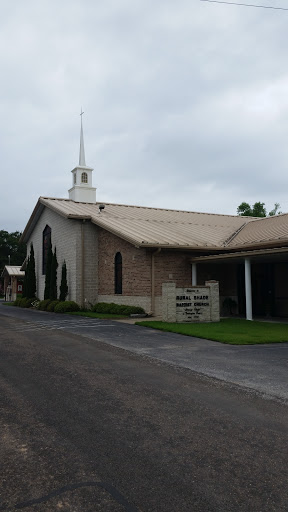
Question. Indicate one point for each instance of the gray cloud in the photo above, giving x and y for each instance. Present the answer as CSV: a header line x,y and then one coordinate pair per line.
x,y
185,104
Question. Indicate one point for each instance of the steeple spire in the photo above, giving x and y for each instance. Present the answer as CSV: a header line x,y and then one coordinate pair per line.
x,y
82,190
82,151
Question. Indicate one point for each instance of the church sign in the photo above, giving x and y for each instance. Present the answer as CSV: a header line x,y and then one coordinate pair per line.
x,y
191,304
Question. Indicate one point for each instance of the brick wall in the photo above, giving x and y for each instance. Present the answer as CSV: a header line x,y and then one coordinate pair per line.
x,y
136,272
136,266
100,248
226,275
172,266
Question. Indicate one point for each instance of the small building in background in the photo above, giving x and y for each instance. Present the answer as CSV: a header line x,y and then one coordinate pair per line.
x,y
13,282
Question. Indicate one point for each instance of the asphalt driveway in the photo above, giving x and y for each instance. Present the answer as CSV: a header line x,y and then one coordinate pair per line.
x,y
261,368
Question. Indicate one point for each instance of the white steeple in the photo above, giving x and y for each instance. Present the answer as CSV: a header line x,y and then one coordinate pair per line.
x,y
82,190
82,151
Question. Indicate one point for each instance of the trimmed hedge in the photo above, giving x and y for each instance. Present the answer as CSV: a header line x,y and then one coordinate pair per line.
x,y
24,302
117,309
51,305
66,307
43,304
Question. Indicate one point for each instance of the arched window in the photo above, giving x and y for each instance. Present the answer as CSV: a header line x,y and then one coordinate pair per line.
x,y
45,246
118,273
84,177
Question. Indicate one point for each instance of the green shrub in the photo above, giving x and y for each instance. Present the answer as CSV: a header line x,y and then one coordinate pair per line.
x,y
43,304
66,306
30,302
16,302
25,303
51,305
117,309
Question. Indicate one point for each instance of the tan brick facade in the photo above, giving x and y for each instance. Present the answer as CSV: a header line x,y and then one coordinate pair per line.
x,y
67,236
136,272
90,251
136,266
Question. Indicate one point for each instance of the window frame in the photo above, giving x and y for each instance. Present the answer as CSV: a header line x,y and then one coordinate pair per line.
x,y
84,177
46,237
118,274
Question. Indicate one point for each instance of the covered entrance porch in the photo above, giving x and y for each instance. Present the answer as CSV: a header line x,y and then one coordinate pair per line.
x,y
255,281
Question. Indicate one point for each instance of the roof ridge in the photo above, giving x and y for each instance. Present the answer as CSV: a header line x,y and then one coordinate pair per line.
x,y
229,239
279,215
144,207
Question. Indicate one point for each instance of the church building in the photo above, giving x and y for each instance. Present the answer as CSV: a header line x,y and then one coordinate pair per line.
x,y
124,253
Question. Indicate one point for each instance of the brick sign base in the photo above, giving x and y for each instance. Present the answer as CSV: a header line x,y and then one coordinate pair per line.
x,y
191,304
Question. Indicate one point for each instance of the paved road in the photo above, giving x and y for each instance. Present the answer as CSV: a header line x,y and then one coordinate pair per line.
x,y
86,426
261,368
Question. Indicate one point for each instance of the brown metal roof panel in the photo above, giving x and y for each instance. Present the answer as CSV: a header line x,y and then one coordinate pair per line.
x,y
261,230
152,225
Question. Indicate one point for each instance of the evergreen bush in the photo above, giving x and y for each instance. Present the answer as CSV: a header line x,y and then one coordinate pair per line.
x,y
43,304
117,309
24,293
53,277
24,302
66,307
51,305
64,285
29,302
48,271
29,285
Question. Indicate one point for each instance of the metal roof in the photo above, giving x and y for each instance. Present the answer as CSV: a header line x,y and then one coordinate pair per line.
x,y
13,271
264,230
156,227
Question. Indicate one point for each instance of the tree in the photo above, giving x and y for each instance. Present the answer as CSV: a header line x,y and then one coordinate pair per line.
x,y
53,277
244,209
48,271
10,246
275,210
64,285
32,276
29,287
24,289
257,210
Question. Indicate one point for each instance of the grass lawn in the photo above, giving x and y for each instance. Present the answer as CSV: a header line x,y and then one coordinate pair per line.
x,y
96,315
228,330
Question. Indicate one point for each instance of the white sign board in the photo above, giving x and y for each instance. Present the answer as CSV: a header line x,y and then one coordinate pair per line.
x,y
191,304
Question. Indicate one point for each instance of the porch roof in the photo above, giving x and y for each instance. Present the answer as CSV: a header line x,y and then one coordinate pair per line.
x,y
240,255
12,271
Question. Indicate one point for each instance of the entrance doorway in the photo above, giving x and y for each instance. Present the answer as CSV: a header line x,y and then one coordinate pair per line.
x,y
263,289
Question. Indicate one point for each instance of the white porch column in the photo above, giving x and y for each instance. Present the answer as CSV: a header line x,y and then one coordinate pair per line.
x,y
248,289
194,274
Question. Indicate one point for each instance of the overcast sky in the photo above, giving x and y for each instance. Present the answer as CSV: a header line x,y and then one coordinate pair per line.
x,y
186,103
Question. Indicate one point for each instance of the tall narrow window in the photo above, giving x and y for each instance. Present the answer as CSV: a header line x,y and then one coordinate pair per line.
x,y
46,243
118,273
84,177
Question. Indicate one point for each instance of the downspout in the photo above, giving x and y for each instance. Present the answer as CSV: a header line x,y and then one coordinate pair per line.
x,y
153,280
82,262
